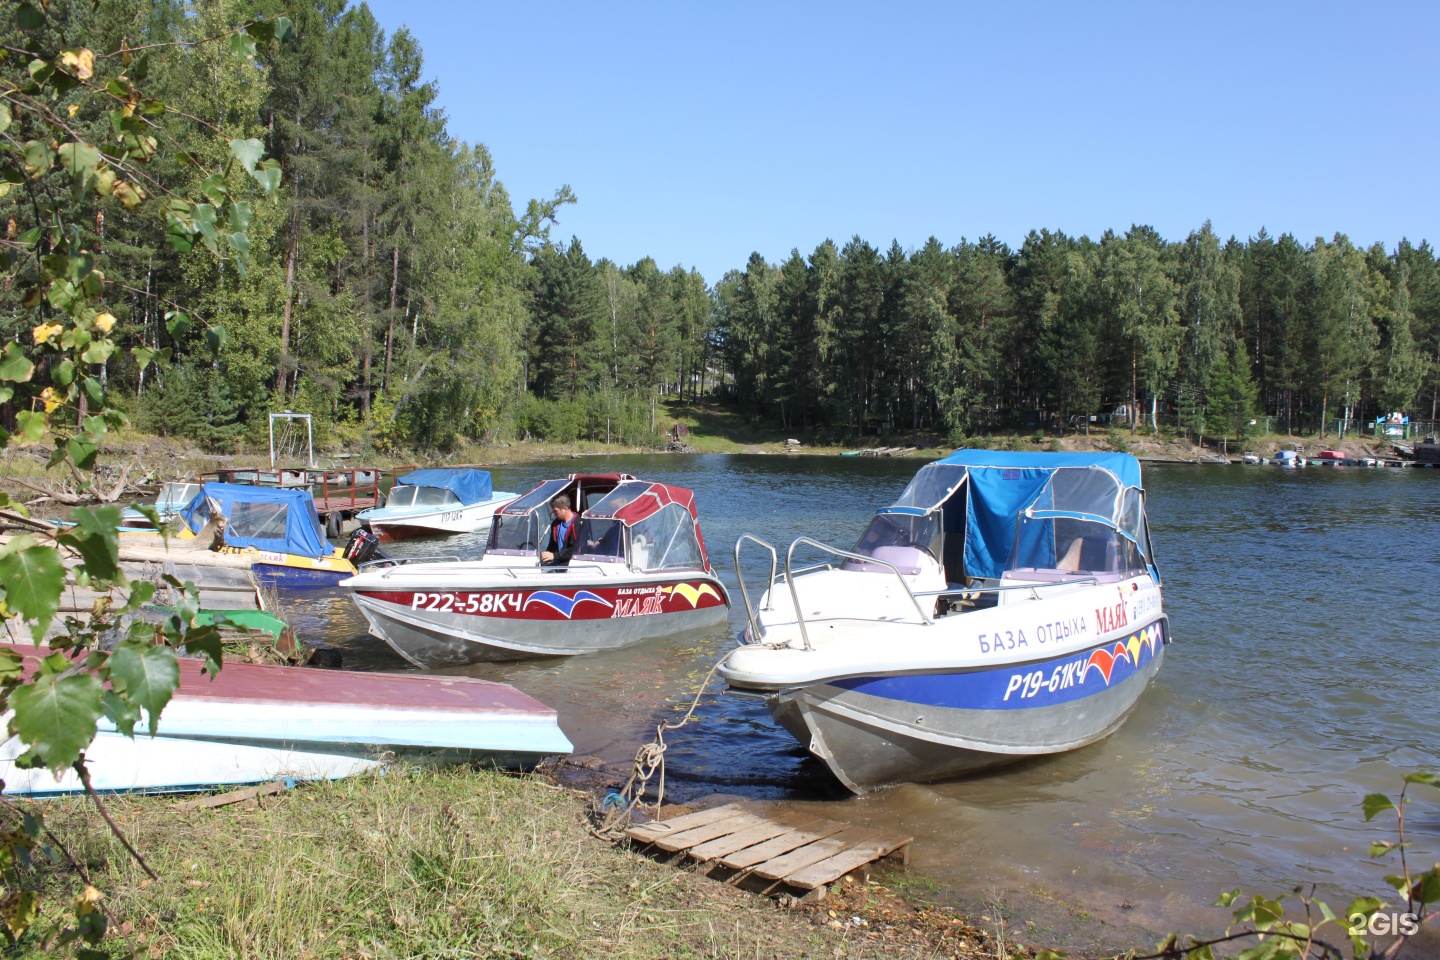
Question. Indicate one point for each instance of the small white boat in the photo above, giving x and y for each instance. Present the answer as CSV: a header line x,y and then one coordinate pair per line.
x,y
253,723
640,570
1007,605
174,497
428,502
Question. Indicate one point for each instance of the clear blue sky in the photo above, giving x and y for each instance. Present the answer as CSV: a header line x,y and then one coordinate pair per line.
x,y
696,133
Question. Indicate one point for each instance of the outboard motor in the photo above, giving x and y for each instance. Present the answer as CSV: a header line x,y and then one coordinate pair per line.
x,y
363,547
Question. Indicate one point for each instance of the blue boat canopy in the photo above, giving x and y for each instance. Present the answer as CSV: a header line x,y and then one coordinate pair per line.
x,y
471,486
280,521
1013,499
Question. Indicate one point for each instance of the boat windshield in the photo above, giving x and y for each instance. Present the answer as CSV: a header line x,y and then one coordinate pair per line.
x,y
899,539
932,486
539,497
173,496
517,535
601,540
405,495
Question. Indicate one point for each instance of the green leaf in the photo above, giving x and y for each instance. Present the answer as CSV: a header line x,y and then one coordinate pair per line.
x,y
94,536
79,158
119,712
33,579
1426,888
242,45
204,640
56,716
1423,776
215,339
143,356
1376,803
98,352
240,214
12,665
268,175
1380,847
5,117
150,676
15,366
141,593
28,18
1364,906
39,158
30,425
177,323
248,152
81,450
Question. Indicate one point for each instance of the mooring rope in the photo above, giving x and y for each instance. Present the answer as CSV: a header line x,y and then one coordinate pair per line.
x,y
650,760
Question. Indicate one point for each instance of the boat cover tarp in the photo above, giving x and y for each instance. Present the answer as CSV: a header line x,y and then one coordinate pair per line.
x,y
1002,484
280,521
471,486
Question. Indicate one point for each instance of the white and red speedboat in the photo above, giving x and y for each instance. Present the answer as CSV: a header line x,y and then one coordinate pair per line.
x,y
640,570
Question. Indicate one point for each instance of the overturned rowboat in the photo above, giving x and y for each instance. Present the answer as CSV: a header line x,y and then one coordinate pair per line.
x,y
253,723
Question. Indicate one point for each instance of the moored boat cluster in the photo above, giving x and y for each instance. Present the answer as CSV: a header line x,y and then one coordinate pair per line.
x,y
1006,605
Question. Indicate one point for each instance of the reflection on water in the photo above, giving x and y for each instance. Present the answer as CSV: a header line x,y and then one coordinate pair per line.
x,y
1302,677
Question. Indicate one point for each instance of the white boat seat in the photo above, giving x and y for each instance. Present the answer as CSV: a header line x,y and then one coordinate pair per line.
x,y
908,560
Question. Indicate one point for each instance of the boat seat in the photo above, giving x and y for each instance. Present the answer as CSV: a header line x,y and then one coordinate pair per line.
x,y
908,560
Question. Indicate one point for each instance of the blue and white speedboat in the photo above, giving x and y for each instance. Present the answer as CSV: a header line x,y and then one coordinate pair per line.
x,y
429,502
1007,605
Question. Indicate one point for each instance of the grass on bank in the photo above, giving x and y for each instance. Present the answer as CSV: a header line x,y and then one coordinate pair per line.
x,y
434,863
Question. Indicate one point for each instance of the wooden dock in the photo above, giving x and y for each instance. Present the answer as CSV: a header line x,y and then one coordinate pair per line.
x,y
775,852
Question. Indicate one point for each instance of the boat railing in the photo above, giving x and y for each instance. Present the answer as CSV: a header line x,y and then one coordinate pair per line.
x,y
744,592
862,558
1001,588
402,561
513,570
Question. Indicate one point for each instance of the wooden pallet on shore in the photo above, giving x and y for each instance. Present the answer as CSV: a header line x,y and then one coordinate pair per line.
x,y
773,851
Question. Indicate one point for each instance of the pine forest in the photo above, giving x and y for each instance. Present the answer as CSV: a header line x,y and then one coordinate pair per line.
x,y
394,290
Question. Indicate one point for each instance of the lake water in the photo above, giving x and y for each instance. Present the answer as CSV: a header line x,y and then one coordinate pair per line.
x,y
1304,675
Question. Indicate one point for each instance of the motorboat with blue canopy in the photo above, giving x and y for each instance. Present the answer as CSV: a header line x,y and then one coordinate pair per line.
x,y
1005,605
278,529
436,501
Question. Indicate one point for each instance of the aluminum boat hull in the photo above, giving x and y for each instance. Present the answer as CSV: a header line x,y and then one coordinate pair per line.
x,y
536,620
877,731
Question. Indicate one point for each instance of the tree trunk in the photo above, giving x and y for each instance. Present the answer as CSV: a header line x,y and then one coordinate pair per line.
x,y
390,327
289,302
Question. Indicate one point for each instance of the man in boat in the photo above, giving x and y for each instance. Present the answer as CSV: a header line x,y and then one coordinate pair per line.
x,y
608,544
563,536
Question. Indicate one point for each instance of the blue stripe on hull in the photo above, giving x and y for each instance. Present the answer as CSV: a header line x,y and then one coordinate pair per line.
x,y
295,578
1021,686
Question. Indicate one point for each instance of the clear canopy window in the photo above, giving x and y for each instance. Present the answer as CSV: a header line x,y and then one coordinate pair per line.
x,y
1074,546
539,497
259,521
601,539
665,540
617,498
